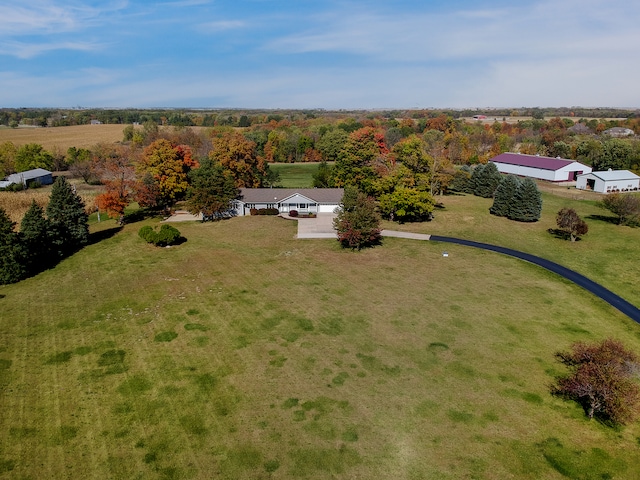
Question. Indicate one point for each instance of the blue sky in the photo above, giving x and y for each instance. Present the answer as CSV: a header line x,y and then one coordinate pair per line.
x,y
320,54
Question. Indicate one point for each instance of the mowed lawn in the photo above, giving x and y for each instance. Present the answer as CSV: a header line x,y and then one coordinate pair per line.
x,y
608,254
295,175
245,353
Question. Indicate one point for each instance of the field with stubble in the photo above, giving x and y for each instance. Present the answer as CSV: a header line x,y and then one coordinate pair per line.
x,y
246,353
80,136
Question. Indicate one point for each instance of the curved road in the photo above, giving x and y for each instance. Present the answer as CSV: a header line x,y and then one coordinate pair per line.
x,y
607,295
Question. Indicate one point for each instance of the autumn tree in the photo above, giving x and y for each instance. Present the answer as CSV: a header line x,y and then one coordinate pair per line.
x,y
165,167
212,189
603,380
117,174
238,155
362,159
625,207
357,221
571,224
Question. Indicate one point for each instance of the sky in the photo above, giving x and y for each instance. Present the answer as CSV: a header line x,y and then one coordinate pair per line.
x,y
329,54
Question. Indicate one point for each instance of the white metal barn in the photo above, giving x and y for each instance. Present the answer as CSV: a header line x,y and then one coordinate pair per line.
x,y
609,181
543,168
303,200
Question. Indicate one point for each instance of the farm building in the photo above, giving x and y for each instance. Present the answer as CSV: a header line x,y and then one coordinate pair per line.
x,y
304,200
609,181
618,132
40,175
543,168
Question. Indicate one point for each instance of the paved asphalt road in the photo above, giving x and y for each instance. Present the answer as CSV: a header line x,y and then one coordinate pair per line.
x,y
608,296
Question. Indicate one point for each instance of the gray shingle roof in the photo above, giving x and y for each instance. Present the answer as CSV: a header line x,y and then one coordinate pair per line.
x,y
275,195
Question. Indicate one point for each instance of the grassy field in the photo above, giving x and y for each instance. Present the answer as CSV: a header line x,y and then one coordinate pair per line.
x,y
245,353
295,175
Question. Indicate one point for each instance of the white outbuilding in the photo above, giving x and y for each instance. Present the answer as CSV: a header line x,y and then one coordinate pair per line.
x,y
609,182
543,168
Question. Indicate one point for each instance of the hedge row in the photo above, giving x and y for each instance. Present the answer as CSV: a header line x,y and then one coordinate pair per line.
x,y
264,211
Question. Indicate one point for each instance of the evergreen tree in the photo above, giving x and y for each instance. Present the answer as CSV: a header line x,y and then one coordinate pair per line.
x,y
487,181
67,218
34,231
12,255
476,178
504,196
527,202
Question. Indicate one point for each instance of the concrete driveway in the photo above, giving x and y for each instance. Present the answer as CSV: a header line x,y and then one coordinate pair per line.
x,y
319,227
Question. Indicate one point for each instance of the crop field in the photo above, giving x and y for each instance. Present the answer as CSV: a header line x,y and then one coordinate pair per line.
x,y
245,353
80,136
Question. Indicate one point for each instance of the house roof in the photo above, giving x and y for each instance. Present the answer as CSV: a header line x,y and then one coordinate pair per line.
x,y
618,131
28,175
276,195
611,175
533,161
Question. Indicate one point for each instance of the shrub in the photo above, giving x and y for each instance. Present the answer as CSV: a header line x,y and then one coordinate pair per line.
x,y
253,211
167,235
268,211
293,213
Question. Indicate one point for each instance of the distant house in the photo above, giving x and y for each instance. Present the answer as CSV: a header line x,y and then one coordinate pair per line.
x,y
580,129
618,132
304,200
609,181
96,122
40,175
479,117
543,168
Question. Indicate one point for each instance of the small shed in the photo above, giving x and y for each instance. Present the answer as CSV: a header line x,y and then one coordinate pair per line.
x,y
40,175
609,182
537,166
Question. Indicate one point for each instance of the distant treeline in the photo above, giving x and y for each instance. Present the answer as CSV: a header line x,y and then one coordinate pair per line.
x,y
46,117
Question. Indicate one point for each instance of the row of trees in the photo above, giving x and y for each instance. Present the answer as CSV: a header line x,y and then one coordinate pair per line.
x,y
45,236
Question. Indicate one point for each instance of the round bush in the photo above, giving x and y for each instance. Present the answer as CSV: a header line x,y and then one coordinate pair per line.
x,y
293,213
167,235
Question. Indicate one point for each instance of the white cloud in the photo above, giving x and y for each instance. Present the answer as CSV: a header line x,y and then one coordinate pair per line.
x,y
29,50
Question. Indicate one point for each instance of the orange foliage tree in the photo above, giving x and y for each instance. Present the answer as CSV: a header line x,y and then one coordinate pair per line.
x,y
115,170
235,153
163,170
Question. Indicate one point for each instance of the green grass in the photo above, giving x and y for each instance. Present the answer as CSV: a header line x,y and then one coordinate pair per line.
x,y
295,175
244,353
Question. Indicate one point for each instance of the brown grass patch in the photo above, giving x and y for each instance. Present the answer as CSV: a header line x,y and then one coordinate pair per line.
x,y
80,136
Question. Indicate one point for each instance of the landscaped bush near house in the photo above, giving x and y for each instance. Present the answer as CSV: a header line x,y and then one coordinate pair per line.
x,y
264,211
293,213
167,235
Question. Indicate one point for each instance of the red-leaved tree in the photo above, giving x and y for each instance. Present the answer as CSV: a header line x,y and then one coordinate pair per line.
x,y
602,380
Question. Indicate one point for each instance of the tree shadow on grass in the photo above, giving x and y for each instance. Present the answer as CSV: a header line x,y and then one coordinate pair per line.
x,y
561,234
603,218
97,237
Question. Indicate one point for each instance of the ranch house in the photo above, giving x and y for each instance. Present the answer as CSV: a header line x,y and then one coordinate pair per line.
x,y
542,168
609,182
304,200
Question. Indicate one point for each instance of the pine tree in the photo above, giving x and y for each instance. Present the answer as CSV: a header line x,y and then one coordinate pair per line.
x,y
12,256
504,196
34,231
527,204
67,218
487,181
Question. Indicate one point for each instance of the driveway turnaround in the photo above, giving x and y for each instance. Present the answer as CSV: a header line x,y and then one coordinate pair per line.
x,y
608,296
